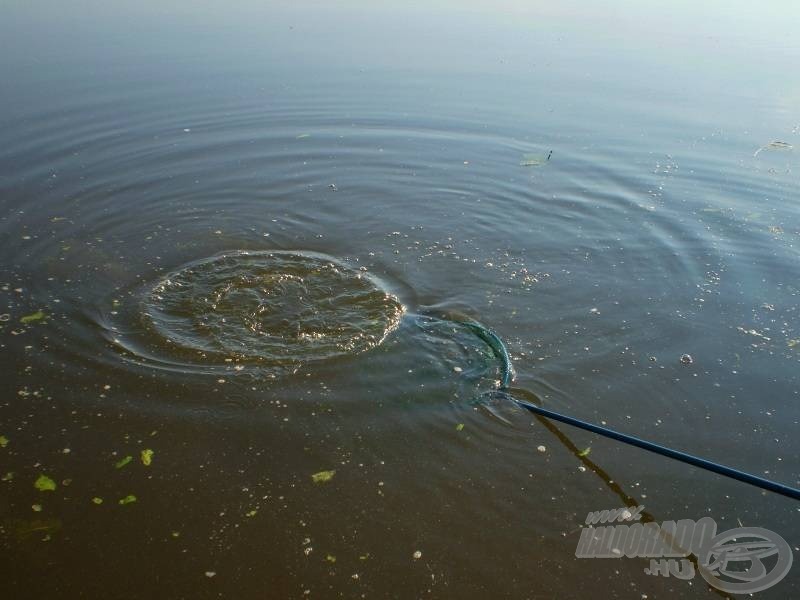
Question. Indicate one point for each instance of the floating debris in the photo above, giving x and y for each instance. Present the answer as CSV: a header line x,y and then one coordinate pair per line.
x,y
534,160
686,359
754,333
129,499
459,427
541,448
32,318
3,441
417,555
97,500
585,452
44,484
121,463
323,476
147,457
776,145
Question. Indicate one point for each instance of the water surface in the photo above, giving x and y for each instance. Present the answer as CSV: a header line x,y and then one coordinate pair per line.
x,y
137,140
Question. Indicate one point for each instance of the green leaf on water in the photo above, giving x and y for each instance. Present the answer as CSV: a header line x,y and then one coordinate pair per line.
x,y
459,427
323,476
130,498
330,558
44,484
8,476
585,451
121,463
97,500
33,317
3,441
147,457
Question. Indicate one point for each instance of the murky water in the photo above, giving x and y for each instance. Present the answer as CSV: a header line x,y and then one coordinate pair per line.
x,y
239,245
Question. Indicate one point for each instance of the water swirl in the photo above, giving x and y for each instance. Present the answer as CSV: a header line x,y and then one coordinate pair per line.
x,y
274,308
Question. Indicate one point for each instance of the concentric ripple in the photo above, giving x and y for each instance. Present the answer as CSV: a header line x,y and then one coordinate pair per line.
x,y
270,307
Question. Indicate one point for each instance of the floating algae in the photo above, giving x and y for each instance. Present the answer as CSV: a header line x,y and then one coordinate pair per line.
x,y
147,457
323,476
44,484
268,308
32,318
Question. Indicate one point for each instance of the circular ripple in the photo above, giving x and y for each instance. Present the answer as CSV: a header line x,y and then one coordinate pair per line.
x,y
270,307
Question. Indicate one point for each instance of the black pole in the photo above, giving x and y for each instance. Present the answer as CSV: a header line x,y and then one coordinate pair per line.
x,y
507,375
765,484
